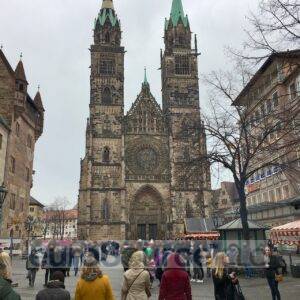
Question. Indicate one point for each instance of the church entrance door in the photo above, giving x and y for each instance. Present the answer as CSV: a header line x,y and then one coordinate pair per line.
x,y
147,219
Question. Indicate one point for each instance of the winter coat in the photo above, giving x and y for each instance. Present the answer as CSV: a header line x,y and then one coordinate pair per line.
x,y
55,290
6,291
33,262
135,283
7,261
272,266
94,287
224,289
175,283
126,255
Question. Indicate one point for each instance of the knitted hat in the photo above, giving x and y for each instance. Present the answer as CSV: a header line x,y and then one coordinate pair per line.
x,y
90,262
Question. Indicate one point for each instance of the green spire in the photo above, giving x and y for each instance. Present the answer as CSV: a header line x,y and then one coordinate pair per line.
x,y
107,12
177,14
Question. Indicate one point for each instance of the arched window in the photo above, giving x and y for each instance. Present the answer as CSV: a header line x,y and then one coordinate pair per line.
x,y
107,38
105,210
105,155
106,97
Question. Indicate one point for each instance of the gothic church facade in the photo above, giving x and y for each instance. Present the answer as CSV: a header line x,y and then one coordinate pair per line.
x,y
144,172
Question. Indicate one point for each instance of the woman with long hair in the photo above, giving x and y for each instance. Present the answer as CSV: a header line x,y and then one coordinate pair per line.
x,y
175,283
93,284
272,266
6,291
223,282
136,282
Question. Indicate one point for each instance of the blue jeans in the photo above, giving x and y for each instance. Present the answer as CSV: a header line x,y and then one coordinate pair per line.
x,y
248,270
273,284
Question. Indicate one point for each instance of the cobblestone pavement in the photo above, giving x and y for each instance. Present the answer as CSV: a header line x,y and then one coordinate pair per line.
x,y
253,288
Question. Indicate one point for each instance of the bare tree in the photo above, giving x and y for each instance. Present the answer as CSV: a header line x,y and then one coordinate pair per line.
x,y
275,27
246,142
55,218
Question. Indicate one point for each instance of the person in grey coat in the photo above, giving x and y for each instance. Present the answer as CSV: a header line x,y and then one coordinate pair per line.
x,y
55,289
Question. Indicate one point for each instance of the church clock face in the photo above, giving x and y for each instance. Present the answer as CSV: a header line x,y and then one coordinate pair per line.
x,y
147,159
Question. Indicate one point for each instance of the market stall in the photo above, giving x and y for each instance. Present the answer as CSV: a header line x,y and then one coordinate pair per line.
x,y
232,234
288,234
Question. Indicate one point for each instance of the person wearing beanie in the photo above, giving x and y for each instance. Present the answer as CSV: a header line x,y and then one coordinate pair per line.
x,y
93,284
55,289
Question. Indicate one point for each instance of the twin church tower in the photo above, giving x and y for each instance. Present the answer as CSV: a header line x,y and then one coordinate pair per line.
x,y
143,173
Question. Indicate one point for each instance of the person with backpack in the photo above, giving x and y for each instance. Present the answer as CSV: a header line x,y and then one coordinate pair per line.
x,y
273,275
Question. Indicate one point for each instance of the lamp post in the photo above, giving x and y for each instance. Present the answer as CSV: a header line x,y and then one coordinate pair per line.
x,y
3,193
29,223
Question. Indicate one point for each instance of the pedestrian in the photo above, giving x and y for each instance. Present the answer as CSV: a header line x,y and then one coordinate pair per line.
x,y
150,264
69,259
93,285
232,254
175,283
126,254
7,261
32,266
136,281
93,250
273,275
55,289
198,273
246,260
6,290
158,259
77,252
223,282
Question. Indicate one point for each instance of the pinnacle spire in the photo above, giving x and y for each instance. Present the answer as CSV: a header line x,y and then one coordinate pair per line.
x,y
177,14
145,76
38,100
107,4
19,72
107,12
145,82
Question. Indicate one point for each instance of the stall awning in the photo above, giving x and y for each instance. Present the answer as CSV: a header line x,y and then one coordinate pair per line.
x,y
286,234
211,236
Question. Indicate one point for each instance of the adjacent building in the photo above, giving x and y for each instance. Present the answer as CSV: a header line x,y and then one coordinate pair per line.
x,y
272,93
60,224
36,211
4,133
226,196
143,172
23,118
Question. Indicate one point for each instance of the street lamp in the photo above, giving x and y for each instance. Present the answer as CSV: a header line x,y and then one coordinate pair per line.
x,y
29,224
3,193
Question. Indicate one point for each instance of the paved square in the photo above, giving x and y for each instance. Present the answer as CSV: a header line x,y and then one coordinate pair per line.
x,y
253,288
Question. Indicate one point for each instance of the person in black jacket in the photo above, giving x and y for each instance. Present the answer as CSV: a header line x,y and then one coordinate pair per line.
x,y
198,273
55,289
223,281
272,269
32,266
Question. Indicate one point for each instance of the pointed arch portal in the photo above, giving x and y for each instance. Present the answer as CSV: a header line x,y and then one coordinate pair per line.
x,y
147,216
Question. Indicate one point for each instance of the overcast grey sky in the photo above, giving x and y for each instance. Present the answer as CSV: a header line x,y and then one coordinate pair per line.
x,y
54,37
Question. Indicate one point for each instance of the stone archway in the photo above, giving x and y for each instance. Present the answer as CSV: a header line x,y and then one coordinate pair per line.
x,y
147,217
